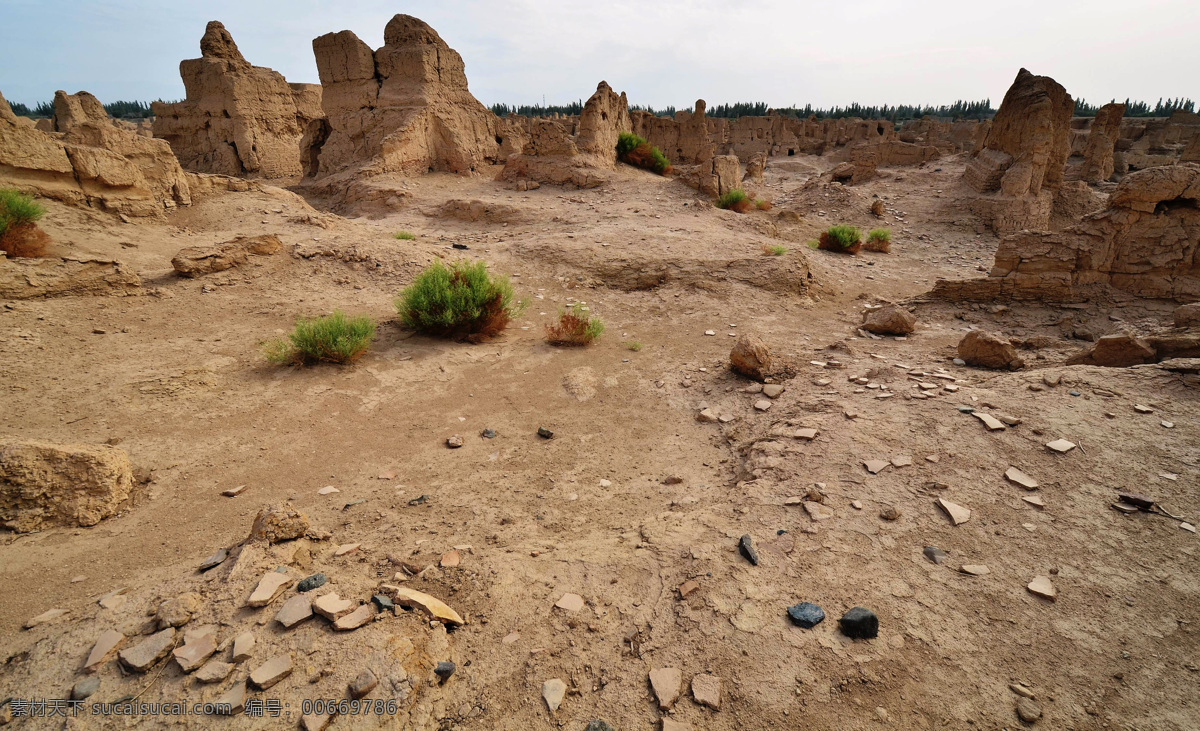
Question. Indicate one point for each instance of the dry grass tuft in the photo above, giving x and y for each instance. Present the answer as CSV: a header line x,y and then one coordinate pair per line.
x,y
574,327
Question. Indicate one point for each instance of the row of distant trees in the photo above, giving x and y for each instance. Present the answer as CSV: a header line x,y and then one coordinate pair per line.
x,y
119,109
958,110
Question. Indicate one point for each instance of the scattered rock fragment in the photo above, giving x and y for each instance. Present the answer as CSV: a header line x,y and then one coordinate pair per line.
x,y
1062,446
859,623
991,422
762,405
806,434
214,560
360,616
329,606
707,416
1115,351
958,514
889,512
817,511
294,611
383,603
108,641
178,611
935,554
195,653
706,690
1022,691
444,669
431,606
234,698
1034,500
85,687
752,358
277,523
450,559
986,350
271,672
142,656
1017,477
309,583
975,569
806,615
746,547
875,466
545,433
889,320
688,587
570,602
346,549
213,671
1041,586
666,683
363,684
234,491
44,618
1028,711
268,589
553,691
670,724
454,442
773,390
328,490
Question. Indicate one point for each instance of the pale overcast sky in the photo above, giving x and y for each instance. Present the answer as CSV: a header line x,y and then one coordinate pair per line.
x,y
661,53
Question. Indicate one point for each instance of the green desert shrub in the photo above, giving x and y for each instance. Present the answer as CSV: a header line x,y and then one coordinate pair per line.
x,y
879,239
636,151
334,338
841,237
735,200
633,345
762,205
18,209
403,236
460,300
774,249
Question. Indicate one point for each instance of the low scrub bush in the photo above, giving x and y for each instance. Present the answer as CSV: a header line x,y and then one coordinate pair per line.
x,y
461,300
843,238
334,338
735,200
774,249
877,208
762,205
879,239
633,345
636,151
574,327
19,234
403,236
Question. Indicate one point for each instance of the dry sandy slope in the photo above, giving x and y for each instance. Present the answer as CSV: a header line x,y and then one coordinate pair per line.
x,y
177,377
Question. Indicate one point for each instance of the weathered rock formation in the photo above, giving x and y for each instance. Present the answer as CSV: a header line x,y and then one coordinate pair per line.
x,y
1022,160
44,484
69,276
988,350
1146,143
1147,242
404,108
1101,142
578,154
89,161
196,260
237,119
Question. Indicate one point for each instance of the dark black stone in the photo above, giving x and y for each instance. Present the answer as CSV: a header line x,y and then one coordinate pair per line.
x,y
214,560
746,546
312,582
460,246
545,433
935,554
383,602
860,624
418,500
489,433
806,615
599,725
444,670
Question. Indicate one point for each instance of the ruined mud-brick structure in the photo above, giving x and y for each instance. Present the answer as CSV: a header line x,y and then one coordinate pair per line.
x,y
237,119
1020,167
404,108
1146,242
86,160
1098,165
576,154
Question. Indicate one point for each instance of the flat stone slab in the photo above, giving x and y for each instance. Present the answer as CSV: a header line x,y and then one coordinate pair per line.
x,y
235,698
332,607
875,466
666,683
706,690
213,671
1035,501
1042,586
45,617
142,656
432,606
991,422
975,569
108,641
195,653
763,404
1017,477
806,434
817,511
553,692
243,647
902,460
294,611
271,672
1062,446
958,514
570,602
268,589
355,619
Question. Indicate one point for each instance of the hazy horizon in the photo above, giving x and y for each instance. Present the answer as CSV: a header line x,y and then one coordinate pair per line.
x,y
661,54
